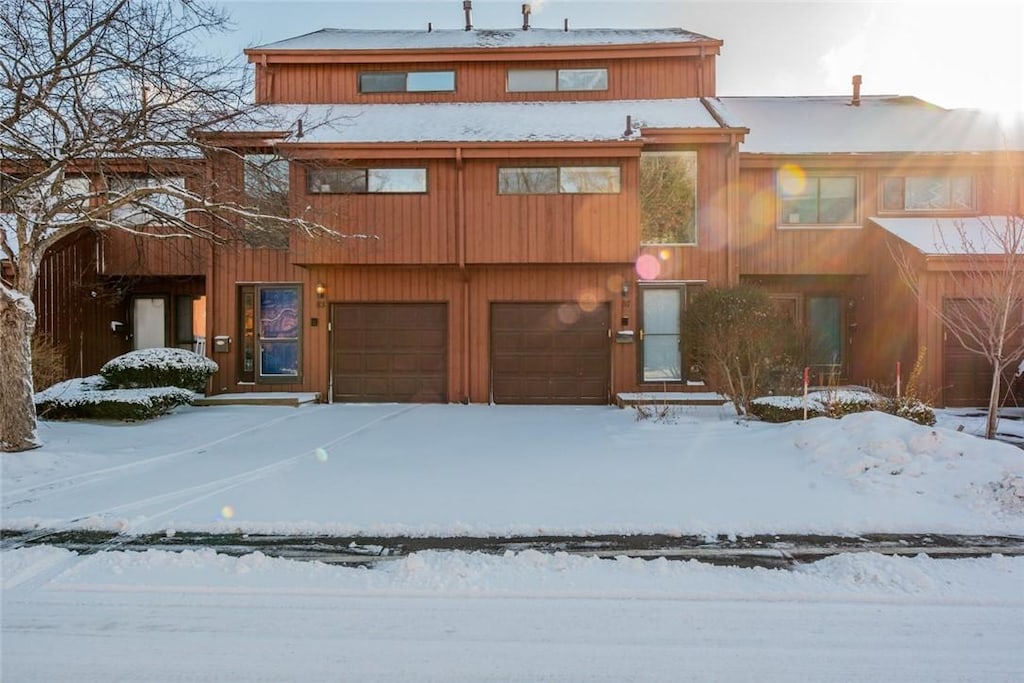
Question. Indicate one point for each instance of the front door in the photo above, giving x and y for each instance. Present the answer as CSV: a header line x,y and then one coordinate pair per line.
x,y
149,322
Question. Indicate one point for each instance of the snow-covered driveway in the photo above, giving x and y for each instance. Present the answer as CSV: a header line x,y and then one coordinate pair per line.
x,y
497,470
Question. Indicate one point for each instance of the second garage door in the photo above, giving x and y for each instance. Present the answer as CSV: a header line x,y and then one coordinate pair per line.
x,y
390,352
549,353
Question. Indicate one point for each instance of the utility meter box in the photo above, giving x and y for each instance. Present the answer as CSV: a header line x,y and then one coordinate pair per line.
x,y
222,344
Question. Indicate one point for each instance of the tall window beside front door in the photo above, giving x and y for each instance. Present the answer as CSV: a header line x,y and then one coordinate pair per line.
x,y
664,357
270,333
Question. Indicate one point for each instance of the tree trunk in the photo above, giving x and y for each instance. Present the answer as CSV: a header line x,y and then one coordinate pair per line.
x,y
17,408
993,403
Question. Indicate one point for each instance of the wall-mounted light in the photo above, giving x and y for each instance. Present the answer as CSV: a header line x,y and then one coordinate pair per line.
x,y
321,292
625,289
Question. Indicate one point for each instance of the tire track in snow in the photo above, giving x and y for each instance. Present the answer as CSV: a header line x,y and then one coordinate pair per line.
x,y
190,495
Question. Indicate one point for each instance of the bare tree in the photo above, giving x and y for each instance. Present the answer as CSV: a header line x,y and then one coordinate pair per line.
x,y
99,102
984,294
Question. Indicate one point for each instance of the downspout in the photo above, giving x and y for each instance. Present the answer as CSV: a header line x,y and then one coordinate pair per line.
x,y
460,223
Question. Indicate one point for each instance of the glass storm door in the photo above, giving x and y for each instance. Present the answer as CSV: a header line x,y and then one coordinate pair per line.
x,y
662,360
824,318
149,322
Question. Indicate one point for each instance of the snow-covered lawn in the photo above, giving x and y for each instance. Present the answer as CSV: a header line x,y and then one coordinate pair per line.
x,y
527,616
489,470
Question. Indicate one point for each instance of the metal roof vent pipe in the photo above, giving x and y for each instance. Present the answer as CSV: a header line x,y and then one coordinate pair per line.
x,y
629,126
467,7
855,102
526,16
565,25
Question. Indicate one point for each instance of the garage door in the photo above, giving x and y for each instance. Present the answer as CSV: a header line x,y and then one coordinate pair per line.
x,y
967,377
390,352
549,353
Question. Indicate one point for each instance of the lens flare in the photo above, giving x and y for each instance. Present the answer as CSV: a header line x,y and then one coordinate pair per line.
x,y
320,454
792,179
568,314
587,300
614,283
664,254
227,512
648,267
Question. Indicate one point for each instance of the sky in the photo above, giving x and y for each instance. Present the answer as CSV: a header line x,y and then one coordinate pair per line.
x,y
962,54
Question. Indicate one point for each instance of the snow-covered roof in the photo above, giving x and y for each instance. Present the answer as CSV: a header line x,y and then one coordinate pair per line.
x,y
356,39
883,123
956,236
478,121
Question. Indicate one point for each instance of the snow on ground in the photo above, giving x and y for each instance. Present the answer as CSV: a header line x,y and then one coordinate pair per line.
x,y
526,616
491,471
438,616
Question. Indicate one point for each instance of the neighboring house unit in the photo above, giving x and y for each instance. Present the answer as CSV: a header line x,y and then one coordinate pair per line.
x,y
526,213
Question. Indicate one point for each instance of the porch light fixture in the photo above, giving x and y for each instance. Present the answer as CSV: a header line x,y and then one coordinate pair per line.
x,y
625,289
321,291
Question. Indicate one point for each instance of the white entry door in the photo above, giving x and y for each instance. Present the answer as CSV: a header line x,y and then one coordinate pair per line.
x,y
149,322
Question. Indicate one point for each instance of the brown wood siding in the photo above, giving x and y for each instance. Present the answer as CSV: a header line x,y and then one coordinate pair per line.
x,y
707,260
382,228
550,228
74,307
628,79
128,254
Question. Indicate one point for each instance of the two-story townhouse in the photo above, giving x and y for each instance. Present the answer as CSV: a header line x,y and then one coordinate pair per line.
x,y
524,214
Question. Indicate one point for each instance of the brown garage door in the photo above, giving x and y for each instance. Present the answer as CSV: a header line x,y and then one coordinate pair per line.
x,y
390,352
967,377
549,353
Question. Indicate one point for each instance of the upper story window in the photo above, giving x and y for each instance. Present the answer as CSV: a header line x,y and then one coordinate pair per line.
x,y
551,80
817,199
149,207
559,180
366,180
928,193
668,197
407,81
72,195
266,182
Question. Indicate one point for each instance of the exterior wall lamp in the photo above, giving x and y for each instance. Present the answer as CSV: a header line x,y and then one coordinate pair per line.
x,y
321,292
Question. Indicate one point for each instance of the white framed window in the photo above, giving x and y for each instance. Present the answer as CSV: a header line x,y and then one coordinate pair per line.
x,y
928,193
808,199
366,180
559,180
552,80
406,81
668,197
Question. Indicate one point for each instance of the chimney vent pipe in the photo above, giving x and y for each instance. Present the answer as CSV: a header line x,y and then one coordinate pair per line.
x,y
467,7
526,16
430,27
565,25
856,91
629,126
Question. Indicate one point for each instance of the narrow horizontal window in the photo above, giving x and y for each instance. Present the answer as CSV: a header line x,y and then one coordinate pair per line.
x,y
928,193
817,200
406,81
366,180
550,80
559,180
146,207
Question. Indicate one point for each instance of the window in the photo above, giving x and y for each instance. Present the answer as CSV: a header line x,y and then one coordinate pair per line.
x,y
559,180
270,322
550,80
148,207
73,194
817,200
668,197
661,341
366,180
407,81
928,193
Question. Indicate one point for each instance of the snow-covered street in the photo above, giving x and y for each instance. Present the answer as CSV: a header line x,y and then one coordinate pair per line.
x,y
467,617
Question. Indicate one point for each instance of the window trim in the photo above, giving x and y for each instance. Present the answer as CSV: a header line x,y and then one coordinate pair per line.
x,y
857,223
405,89
366,171
973,210
558,180
557,72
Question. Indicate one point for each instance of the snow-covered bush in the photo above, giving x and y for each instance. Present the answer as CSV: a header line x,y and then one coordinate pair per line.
x,y
909,408
839,402
784,408
164,367
87,398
